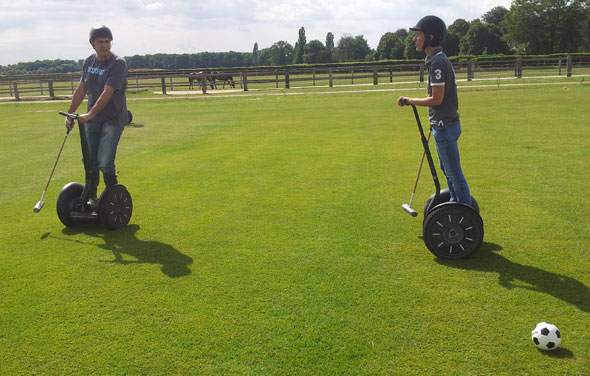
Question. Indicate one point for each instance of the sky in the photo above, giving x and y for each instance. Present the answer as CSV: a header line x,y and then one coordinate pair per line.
x,y
58,29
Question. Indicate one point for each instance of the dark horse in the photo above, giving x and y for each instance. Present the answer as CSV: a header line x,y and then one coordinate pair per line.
x,y
225,77
198,78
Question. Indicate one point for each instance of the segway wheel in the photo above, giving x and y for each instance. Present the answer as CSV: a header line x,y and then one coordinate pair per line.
x,y
453,231
445,196
67,199
116,207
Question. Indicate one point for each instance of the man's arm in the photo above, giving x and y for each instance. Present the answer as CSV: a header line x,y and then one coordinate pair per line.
x,y
100,104
438,95
77,99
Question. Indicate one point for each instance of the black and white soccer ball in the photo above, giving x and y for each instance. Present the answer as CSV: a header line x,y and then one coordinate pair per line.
x,y
546,336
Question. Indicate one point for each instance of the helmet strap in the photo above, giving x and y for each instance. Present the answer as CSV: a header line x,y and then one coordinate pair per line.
x,y
427,40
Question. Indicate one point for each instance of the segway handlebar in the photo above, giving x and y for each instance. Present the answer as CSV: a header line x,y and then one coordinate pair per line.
x,y
71,116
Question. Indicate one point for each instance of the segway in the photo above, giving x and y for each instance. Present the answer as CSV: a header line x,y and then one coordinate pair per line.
x,y
112,209
450,230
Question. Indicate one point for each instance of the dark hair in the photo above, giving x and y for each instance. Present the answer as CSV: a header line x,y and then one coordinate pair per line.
x,y
100,31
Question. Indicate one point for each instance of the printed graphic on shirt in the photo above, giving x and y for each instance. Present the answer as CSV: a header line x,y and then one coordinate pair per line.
x,y
94,70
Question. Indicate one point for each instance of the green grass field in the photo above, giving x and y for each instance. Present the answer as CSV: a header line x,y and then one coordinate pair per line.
x,y
268,239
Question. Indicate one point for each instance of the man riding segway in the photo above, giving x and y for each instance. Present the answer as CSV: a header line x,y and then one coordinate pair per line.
x,y
104,81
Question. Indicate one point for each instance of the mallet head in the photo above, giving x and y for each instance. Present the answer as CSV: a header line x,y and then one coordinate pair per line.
x,y
409,210
38,207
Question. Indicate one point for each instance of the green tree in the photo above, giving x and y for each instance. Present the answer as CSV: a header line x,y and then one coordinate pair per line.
x,y
385,45
300,47
546,26
255,54
391,45
315,52
585,31
329,47
483,38
459,27
455,32
352,48
495,16
281,53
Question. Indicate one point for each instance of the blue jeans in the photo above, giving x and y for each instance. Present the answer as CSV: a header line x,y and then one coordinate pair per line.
x,y
445,139
102,139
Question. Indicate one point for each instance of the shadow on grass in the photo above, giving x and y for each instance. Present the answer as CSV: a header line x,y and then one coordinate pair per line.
x,y
124,242
514,275
560,352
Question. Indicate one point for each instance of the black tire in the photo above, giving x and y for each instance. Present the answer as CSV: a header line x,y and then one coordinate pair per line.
x,y
445,196
453,231
67,199
116,207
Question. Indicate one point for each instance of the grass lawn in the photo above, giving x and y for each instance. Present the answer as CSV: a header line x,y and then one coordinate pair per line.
x,y
268,238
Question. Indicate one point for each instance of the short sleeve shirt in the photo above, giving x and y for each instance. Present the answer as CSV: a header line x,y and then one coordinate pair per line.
x,y
441,73
96,75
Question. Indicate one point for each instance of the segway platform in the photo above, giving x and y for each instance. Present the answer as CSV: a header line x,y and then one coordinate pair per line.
x,y
113,209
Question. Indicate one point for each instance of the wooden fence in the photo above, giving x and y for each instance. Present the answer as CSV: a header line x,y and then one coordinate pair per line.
x,y
166,82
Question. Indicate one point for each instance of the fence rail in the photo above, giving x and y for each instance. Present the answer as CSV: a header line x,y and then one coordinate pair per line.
x,y
24,86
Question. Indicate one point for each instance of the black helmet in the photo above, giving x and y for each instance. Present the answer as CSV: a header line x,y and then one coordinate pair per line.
x,y
100,31
432,25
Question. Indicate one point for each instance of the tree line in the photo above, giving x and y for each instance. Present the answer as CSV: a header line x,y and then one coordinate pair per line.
x,y
534,27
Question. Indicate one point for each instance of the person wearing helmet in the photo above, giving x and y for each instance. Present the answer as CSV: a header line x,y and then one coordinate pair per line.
x,y
442,103
104,80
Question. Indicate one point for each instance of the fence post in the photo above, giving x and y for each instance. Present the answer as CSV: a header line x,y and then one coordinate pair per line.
x,y
518,68
51,91
313,77
171,84
245,80
204,83
421,72
41,86
569,65
470,70
164,85
287,83
276,79
330,73
352,76
375,77
390,74
16,96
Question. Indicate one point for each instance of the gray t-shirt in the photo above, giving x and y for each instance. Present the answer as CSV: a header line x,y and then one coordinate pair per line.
x,y
441,73
96,75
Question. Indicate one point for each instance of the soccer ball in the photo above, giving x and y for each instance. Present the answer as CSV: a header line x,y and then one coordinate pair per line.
x,y
546,336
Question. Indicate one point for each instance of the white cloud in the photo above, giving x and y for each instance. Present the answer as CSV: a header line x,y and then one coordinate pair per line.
x,y
51,29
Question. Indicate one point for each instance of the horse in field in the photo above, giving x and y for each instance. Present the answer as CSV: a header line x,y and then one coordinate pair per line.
x,y
225,77
197,77
212,78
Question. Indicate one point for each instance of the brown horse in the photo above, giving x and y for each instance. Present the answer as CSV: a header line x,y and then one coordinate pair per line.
x,y
225,77
198,78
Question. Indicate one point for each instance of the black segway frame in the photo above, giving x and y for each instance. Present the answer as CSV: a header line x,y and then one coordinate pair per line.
x,y
450,230
113,208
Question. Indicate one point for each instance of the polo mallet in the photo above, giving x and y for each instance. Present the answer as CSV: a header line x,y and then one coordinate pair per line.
x,y
408,207
41,203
